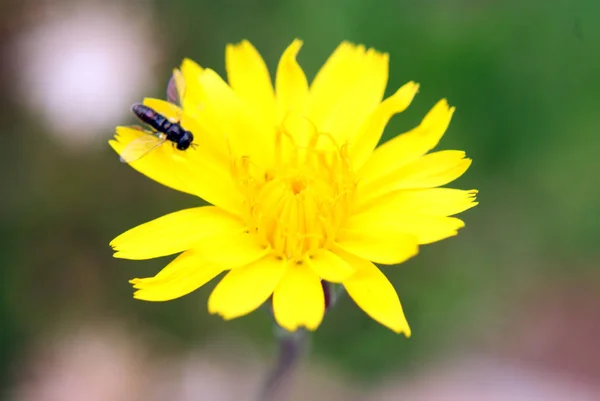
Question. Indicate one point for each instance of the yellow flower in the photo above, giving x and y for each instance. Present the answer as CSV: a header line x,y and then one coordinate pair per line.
x,y
300,193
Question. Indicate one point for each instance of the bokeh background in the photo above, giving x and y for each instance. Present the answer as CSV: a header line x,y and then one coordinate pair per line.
x,y
508,310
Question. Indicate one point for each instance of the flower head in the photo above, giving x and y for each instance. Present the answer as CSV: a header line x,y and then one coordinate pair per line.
x,y
300,192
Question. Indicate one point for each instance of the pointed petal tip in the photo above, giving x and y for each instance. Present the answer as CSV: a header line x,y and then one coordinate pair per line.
x,y
244,43
123,254
405,94
443,104
287,326
313,326
119,130
188,64
292,327
295,46
140,295
410,86
400,327
129,255
223,315
347,45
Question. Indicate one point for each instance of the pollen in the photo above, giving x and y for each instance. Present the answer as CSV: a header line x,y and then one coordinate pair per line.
x,y
297,206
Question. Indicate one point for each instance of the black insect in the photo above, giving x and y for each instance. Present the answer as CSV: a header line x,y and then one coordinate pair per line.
x,y
163,130
174,132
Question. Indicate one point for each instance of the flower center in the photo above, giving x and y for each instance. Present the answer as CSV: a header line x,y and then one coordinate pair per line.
x,y
298,204
297,185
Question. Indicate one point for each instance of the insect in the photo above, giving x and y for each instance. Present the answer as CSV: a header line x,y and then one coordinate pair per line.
x,y
163,129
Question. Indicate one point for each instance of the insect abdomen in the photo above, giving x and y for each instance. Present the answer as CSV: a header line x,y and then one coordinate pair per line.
x,y
150,117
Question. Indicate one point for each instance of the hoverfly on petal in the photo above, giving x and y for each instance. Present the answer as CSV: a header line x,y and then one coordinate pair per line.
x,y
163,129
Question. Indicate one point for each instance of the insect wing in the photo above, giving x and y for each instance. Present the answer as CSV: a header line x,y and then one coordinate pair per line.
x,y
140,147
172,95
176,88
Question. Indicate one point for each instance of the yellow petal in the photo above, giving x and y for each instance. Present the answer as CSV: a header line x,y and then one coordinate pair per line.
x,y
192,99
291,85
209,158
345,61
432,170
244,289
183,171
208,149
232,251
212,251
347,89
329,266
375,295
249,77
191,71
425,228
188,272
409,146
216,187
175,232
224,114
298,300
381,246
370,132
432,201
158,165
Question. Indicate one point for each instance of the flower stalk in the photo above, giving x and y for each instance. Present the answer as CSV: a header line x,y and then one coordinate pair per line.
x,y
291,347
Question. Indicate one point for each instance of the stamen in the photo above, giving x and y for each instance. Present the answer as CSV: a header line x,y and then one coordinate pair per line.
x,y
297,185
297,205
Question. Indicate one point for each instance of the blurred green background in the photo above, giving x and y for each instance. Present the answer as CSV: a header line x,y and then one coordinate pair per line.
x,y
523,76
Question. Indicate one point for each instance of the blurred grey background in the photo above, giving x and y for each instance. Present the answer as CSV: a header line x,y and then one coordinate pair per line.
x,y
508,310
